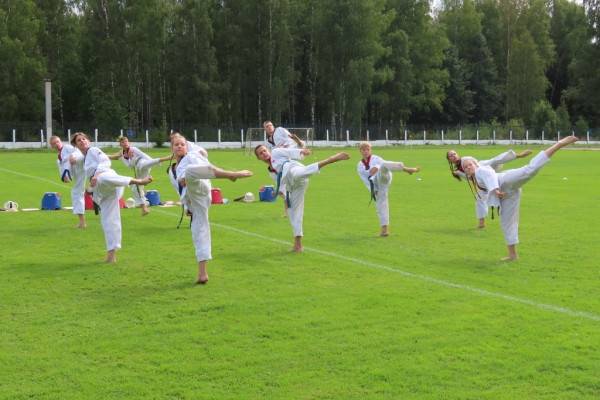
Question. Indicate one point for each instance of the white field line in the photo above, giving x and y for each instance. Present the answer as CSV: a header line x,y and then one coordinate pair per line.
x,y
425,278
440,282
34,177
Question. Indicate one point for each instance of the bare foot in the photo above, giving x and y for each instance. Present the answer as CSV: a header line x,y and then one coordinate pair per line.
x,y
81,226
384,231
202,280
568,140
411,171
145,212
233,176
509,258
480,226
296,249
111,257
524,153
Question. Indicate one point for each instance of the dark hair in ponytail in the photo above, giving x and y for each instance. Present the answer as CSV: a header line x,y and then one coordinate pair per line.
x,y
474,187
453,167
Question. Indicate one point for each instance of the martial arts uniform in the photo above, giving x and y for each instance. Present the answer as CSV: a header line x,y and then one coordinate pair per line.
x,y
195,196
510,183
482,203
295,177
195,148
106,193
379,183
281,138
76,173
141,163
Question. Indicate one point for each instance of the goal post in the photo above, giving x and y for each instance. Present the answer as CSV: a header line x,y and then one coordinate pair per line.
x,y
256,136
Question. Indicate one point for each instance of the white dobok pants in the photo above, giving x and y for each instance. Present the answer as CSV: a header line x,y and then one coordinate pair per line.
x,y
107,192
382,181
198,200
511,182
296,180
78,190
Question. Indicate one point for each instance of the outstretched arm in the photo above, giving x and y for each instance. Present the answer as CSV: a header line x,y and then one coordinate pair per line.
x,y
166,158
296,139
115,156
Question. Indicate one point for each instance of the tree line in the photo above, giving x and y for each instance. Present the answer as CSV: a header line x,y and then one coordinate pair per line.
x,y
324,63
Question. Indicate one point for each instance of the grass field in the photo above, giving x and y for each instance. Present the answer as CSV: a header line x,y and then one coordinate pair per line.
x,y
429,312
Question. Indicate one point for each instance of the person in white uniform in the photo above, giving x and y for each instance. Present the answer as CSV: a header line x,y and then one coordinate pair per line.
x,y
506,187
280,137
107,188
277,138
141,163
496,163
376,174
191,146
70,167
295,177
192,174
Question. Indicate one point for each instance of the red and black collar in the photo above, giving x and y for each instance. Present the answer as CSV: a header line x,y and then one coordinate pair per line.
x,y
366,162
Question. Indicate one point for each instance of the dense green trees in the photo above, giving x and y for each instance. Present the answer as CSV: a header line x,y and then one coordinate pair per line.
x,y
22,65
327,63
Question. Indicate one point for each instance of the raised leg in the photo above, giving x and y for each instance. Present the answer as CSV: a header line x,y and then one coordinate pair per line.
x,y
333,159
567,140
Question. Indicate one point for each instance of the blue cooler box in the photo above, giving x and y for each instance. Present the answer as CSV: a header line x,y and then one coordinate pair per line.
x,y
153,197
51,201
268,194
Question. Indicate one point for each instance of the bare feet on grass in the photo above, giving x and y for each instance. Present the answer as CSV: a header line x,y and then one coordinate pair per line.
x,y
512,253
202,273
202,280
111,257
145,210
384,231
298,248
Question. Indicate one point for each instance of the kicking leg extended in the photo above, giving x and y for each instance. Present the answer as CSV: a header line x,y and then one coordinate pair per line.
x,y
560,144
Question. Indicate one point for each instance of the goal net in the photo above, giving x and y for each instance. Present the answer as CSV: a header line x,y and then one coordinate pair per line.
x,y
256,136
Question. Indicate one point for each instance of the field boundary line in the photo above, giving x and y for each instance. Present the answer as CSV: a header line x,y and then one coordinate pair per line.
x,y
34,177
425,278
440,282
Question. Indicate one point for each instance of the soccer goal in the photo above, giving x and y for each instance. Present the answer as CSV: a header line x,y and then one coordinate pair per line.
x,y
256,136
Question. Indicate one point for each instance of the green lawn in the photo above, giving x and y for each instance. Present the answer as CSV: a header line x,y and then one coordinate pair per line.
x,y
429,312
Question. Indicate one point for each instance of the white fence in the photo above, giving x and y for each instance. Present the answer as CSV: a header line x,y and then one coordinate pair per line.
x,y
405,138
